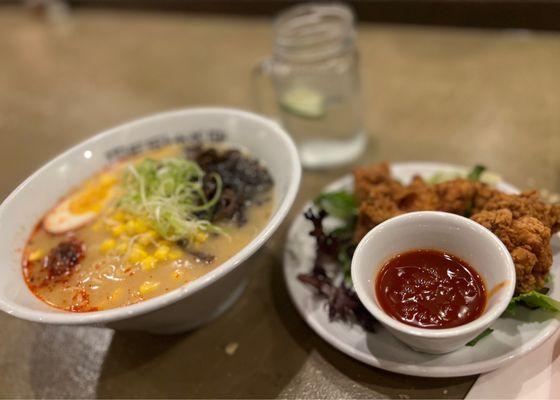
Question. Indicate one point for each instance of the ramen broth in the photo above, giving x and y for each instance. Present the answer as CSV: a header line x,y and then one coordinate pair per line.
x,y
121,266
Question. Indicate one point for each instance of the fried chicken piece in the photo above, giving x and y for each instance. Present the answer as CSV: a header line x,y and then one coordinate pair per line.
x,y
372,180
483,194
523,222
381,197
372,212
527,239
525,204
463,196
375,190
456,196
420,196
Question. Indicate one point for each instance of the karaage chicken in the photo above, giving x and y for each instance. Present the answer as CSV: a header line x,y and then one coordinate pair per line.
x,y
523,222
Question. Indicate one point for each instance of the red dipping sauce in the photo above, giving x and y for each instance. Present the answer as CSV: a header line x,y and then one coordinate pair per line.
x,y
430,289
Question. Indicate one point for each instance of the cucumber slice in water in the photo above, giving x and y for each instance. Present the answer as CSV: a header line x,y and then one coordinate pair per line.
x,y
303,102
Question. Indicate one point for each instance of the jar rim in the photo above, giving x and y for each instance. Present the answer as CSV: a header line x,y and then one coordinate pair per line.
x,y
311,31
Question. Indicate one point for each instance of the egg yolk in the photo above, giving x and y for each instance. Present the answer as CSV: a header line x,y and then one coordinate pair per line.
x,y
93,197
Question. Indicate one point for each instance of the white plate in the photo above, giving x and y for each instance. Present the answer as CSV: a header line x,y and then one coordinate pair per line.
x,y
511,337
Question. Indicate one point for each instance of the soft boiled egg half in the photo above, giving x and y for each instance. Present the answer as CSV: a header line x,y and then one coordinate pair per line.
x,y
82,206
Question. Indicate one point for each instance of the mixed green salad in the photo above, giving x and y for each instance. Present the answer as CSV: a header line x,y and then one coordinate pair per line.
x,y
330,275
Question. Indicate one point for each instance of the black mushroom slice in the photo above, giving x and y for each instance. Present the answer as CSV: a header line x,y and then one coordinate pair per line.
x,y
64,257
244,179
200,256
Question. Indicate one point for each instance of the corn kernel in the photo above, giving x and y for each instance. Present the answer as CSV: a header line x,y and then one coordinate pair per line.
x,y
108,244
161,252
137,254
166,243
34,256
147,237
174,254
144,240
119,216
118,230
140,226
149,263
148,286
97,226
200,237
130,227
122,247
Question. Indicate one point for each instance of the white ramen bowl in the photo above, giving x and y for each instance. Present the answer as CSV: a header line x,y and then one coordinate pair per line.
x,y
192,304
457,235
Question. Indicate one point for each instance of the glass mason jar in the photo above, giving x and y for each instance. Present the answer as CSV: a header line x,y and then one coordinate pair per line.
x,y
314,71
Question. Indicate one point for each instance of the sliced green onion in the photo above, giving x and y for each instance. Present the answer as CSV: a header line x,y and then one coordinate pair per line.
x,y
169,194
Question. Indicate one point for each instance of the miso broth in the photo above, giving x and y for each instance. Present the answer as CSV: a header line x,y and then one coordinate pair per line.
x,y
127,252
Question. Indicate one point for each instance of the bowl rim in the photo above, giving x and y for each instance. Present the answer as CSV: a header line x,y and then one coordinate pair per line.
x,y
479,323
158,302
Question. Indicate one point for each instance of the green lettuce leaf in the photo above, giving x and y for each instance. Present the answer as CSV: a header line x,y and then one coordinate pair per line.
x,y
486,332
339,204
534,299
476,173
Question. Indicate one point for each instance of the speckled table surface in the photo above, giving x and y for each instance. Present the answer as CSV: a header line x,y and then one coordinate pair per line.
x,y
462,96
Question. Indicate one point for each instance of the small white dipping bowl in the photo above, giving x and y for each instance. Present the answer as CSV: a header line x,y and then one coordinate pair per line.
x,y
441,231
192,304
